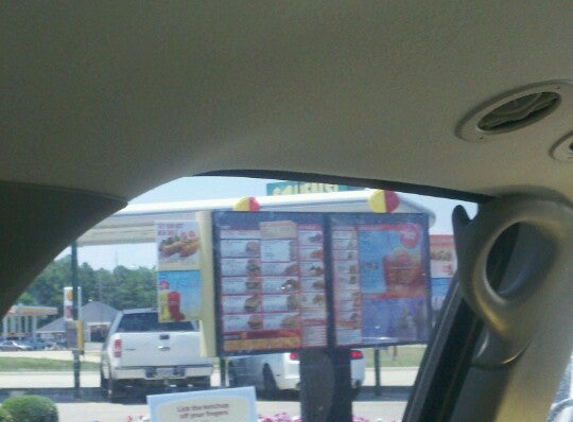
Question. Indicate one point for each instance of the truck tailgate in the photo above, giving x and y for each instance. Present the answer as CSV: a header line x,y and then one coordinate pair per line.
x,y
161,349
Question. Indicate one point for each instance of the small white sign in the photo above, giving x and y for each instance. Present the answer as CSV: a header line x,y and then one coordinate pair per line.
x,y
69,303
223,405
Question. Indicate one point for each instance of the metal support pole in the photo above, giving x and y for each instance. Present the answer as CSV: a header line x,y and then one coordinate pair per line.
x,y
325,386
75,308
34,328
223,371
377,386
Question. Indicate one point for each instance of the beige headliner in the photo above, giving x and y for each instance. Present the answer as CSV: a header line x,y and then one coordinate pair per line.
x,y
119,97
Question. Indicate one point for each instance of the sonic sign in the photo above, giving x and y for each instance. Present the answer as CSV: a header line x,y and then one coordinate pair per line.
x,y
294,188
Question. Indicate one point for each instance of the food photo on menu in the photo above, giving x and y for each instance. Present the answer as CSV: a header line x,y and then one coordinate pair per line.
x,y
240,248
278,250
311,269
278,321
281,284
177,244
311,254
347,282
349,320
242,285
313,284
255,322
310,237
280,268
290,285
231,267
281,303
252,303
241,304
313,301
239,323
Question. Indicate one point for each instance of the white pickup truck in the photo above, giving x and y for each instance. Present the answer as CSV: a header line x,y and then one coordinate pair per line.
x,y
142,352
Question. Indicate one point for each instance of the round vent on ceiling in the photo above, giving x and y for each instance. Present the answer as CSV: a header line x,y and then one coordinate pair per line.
x,y
520,112
515,111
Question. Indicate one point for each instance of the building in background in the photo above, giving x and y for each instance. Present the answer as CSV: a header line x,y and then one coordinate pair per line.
x,y
21,321
97,317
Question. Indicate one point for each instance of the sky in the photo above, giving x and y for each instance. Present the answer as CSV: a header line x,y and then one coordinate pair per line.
x,y
194,188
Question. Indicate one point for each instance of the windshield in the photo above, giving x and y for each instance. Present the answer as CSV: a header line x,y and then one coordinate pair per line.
x,y
339,284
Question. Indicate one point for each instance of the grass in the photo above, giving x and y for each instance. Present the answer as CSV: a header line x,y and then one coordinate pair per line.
x,y
406,356
14,364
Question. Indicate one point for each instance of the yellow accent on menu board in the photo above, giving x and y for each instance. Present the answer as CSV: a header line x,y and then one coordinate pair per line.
x,y
207,320
242,204
377,201
263,344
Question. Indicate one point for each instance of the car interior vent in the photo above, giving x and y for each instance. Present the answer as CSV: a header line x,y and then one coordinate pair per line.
x,y
520,112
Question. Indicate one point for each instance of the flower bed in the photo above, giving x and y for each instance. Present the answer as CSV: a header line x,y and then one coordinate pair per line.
x,y
279,417
283,417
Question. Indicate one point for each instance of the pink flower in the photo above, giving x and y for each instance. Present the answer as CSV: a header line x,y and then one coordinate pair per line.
x,y
283,417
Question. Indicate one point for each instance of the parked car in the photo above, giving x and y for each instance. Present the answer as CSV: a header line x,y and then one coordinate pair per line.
x,y
140,351
12,345
38,344
271,373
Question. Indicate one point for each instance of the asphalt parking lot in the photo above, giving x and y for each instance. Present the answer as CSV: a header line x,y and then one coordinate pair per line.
x,y
91,407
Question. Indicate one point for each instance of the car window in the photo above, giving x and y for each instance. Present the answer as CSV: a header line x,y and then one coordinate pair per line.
x,y
385,329
144,322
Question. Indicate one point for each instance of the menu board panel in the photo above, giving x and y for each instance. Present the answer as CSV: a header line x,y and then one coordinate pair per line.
x,y
443,264
271,281
178,276
381,278
287,281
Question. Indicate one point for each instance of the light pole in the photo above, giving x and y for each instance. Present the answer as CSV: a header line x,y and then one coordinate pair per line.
x,y
75,308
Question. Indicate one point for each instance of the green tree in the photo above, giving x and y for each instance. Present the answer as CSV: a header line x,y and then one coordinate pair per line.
x,y
122,288
47,289
135,288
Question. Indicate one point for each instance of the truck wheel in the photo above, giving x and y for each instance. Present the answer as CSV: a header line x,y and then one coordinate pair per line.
x,y
114,391
269,384
102,385
232,375
204,382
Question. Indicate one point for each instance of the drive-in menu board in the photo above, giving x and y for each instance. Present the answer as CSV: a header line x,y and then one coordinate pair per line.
x,y
277,274
271,282
380,270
